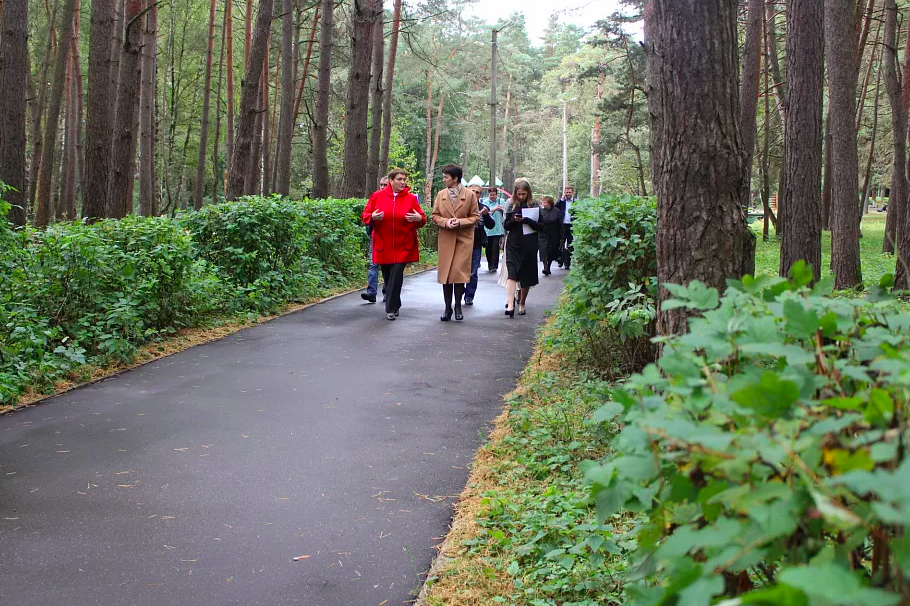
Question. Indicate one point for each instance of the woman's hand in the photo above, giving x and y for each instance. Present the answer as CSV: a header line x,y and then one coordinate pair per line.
x,y
452,223
377,216
413,217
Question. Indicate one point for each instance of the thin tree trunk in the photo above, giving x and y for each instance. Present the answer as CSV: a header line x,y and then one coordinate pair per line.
x,y
66,206
216,148
595,139
38,115
251,186
748,91
116,49
98,116
266,130
80,113
899,185
229,84
435,156
357,100
697,147
13,92
248,100
826,179
206,102
271,130
766,151
148,189
800,210
125,135
867,179
428,183
387,91
286,120
44,211
306,63
372,176
248,33
843,72
321,122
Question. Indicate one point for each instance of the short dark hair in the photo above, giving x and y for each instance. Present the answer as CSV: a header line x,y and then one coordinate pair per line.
x,y
395,172
453,171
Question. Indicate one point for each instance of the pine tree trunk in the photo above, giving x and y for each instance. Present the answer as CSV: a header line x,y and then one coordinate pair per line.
x,y
321,122
116,49
286,119
864,202
13,78
306,62
843,72
44,211
125,135
252,184
148,192
66,207
899,185
206,104
748,91
799,215
35,134
98,117
241,160
428,178
248,33
358,96
387,91
697,147
372,177
216,147
229,85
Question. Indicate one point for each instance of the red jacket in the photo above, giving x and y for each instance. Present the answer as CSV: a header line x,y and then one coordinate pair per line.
x,y
394,238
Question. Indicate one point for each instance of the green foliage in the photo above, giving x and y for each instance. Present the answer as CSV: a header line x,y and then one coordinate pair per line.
x,y
77,294
611,290
765,451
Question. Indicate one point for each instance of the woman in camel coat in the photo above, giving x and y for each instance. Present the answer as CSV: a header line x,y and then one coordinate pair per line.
x,y
455,211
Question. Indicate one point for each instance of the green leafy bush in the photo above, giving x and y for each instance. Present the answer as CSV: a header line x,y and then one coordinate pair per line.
x,y
609,304
766,451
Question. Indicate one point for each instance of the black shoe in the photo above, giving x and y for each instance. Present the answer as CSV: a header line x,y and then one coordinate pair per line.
x,y
510,312
390,316
469,301
368,297
458,315
396,312
445,317
546,272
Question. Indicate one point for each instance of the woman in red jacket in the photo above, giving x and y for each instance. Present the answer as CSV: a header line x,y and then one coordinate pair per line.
x,y
395,215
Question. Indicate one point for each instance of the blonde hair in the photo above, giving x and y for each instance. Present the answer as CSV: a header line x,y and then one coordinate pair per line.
x,y
523,185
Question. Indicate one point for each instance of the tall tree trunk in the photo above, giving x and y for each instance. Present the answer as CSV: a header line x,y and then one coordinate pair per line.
x,y
748,91
248,101
216,148
435,155
428,181
899,214
13,72
125,135
66,207
321,122
799,215
206,103
766,147
266,130
286,119
80,113
35,134
843,72
387,91
116,49
98,116
899,185
229,84
372,176
595,139
826,178
248,34
148,188
44,211
864,202
306,63
697,147
358,96
252,182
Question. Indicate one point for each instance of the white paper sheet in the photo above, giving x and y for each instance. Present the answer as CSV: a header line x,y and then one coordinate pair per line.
x,y
529,213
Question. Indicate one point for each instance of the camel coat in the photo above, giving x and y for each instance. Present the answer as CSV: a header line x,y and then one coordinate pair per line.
x,y
455,245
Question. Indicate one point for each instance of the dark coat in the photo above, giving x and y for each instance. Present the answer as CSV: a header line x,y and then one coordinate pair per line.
x,y
521,250
550,233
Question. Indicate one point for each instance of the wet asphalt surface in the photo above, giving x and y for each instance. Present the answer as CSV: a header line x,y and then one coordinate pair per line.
x,y
331,435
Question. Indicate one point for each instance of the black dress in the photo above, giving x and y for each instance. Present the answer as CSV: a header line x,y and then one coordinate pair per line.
x,y
550,234
521,250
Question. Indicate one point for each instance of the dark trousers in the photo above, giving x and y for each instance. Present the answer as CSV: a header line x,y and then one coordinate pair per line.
x,y
471,289
493,252
567,247
393,276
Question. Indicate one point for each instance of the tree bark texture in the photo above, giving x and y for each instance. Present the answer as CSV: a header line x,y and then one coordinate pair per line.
x,y
249,99
286,116
800,211
206,105
698,157
748,91
843,71
216,147
229,84
306,62
372,176
13,72
125,122
148,178
252,183
35,134
355,116
387,92
323,89
44,210
899,185
98,118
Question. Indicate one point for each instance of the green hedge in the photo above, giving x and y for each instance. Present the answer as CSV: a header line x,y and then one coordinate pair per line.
x,y
609,304
75,293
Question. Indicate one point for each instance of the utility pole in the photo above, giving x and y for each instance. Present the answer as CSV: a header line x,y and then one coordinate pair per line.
x,y
565,148
493,104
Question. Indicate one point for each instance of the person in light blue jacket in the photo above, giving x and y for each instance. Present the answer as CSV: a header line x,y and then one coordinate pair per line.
x,y
495,233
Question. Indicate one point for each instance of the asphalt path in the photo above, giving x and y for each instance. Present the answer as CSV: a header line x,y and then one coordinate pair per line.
x,y
330,435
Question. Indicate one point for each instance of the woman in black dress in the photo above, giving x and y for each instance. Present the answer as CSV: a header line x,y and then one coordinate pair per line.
x,y
550,232
521,248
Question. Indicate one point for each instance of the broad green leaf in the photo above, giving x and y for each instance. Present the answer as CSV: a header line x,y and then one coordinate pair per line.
x,y
836,585
801,322
771,397
607,412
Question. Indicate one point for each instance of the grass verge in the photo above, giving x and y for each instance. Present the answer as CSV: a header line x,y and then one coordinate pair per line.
x,y
526,516
218,328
